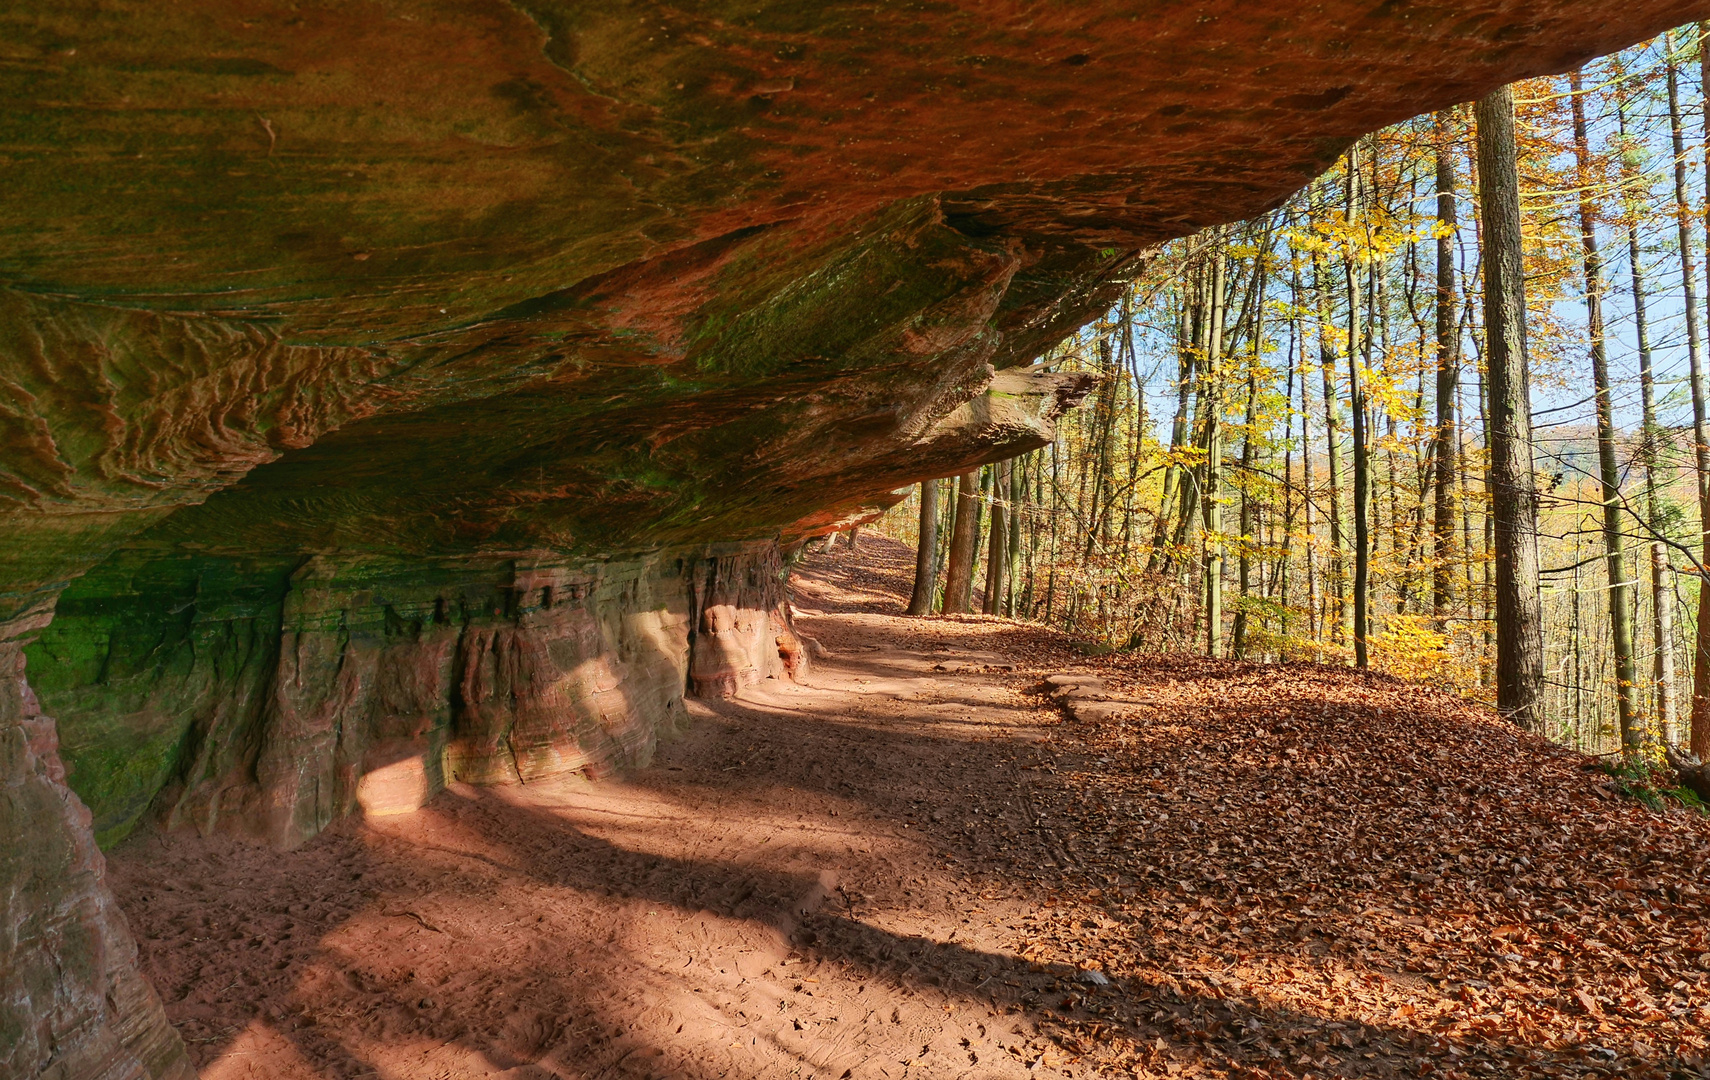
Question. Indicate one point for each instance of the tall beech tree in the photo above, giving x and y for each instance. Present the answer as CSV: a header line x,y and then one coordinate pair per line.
x,y
964,545
1447,355
1358,342
1514,496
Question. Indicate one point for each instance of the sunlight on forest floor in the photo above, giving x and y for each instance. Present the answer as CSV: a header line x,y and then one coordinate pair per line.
x,y
912,863
1298,870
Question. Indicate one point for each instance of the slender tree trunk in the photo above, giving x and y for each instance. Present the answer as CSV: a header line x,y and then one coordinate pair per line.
x,y
1519,636
1130,366
1329,354
1464,490
1100,514
1193,478
920,602
1017,499
1700,730
1051,556
1486,586
1112,394
964,541
1362,452
1284,577
1578,657
1255,310
1448,374
1487,665
1662,597
1418,561
1244,564
941,550
1029,607
1620,594
981,502
1173,473
1308,503
997,559
1213,494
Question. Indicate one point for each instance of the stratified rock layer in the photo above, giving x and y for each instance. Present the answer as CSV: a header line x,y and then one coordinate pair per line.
x,y
411,389
72,1003
270,699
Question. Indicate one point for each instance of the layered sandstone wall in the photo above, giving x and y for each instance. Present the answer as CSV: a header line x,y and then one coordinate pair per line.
x,y
269,699
73,1005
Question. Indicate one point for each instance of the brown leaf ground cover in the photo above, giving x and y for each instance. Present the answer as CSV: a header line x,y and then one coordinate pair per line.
x,y
913,863
1299,870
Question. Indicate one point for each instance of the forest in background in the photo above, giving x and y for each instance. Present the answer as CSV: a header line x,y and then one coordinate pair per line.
x,y
1288,456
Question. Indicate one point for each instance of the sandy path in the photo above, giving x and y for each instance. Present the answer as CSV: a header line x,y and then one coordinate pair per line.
x,y
822,880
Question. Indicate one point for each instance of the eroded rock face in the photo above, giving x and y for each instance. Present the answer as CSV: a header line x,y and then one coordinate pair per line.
x,y
268,700
411,390
72,1003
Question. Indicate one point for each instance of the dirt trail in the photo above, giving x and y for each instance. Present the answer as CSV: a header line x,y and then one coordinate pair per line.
x,y
779,895
911,865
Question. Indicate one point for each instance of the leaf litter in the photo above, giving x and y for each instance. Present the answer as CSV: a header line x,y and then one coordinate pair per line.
x,y
1296,870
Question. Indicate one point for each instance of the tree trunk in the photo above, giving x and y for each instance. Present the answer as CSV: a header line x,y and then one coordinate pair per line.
x,y
1574,626
1519,637
1244,563
1283,580
1487,664
1309,494
1694,774
1102,466
925,575
1448,374
1620,594
1463,489
1357,404
1173,473
1418,562
1700,731
1050,518
997,559
1328,354
1192,486
1662,596
981,501
1255,308
1213,494
1110,393
1017,496
964,540
1137,433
